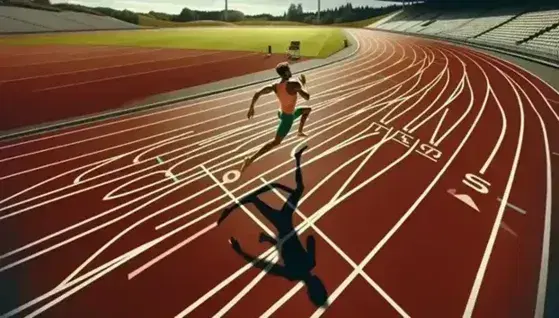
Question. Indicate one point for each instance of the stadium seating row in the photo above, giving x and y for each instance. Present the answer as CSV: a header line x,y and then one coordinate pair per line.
x,y
516,28
24,20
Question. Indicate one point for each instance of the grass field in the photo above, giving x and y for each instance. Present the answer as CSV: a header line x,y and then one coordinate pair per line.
x,y
152,22
266,22
315,42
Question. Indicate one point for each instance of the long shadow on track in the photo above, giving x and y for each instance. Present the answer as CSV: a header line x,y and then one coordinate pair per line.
x,y
298,263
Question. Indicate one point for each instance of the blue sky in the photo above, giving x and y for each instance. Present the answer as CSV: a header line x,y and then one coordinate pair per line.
x,y
275,7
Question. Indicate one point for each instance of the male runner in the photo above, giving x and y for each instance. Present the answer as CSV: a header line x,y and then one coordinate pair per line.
x,y
286,91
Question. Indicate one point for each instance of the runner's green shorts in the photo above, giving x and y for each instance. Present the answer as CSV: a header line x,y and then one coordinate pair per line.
x,y
286,121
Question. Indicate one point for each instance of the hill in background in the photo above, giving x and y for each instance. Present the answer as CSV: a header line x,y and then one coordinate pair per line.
x,y
294,14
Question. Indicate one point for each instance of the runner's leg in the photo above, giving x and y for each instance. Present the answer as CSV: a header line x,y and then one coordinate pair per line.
x,y
304,113
283,128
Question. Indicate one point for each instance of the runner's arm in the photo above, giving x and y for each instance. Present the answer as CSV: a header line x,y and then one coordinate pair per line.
x,y
263,91
302,90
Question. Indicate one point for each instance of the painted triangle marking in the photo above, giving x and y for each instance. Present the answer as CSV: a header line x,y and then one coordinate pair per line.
x,y
505,227
464,198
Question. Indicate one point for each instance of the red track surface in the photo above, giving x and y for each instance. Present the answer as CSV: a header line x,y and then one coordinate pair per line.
x,y
94,226
57,82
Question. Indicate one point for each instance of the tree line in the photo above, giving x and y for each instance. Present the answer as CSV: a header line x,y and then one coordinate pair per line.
x,y
295,12
341,14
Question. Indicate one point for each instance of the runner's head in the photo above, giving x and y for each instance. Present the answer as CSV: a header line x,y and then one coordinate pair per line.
x,y
283,70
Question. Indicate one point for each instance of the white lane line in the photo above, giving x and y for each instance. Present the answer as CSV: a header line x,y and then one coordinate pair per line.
x,y
151,124
144,169
542,282
394,229
125,231
356,63
185,226
87,58
425,89
556,153
468,312
156,60
340,252
133,211
247,288
147,265
540,305
298,230
236,200
501,135
387,136
105,79
514,207
443,116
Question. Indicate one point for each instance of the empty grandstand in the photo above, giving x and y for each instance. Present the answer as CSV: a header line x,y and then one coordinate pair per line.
x,y
15,19
525,28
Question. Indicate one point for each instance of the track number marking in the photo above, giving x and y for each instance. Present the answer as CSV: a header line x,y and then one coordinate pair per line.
x,y
476,183
430,152
403,138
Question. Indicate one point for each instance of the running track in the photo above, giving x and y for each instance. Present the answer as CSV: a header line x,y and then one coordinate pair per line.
x,y
427,189
57,82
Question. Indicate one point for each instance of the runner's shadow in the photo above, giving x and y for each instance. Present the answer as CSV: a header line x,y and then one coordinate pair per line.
x,y
298,263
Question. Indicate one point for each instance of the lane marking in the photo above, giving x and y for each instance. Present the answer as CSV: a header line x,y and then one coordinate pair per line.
x,y
147,265
113,66
539,311
507,228
472,299
344,66
236,200
432,140
115,220
300,228
464,198
133,211
227,178
408,213
510,205
556,153
346,257
169,174
501,135
124,53
129,75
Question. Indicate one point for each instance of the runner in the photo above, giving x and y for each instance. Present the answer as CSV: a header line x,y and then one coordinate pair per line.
x,y
286,91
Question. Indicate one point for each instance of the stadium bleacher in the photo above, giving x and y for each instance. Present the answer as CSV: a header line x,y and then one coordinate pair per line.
x,y
518,28
25,20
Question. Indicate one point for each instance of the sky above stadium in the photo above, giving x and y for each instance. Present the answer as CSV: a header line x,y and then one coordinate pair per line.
x,y
250,7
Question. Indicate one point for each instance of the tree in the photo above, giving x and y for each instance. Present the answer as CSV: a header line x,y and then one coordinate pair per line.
x,y
310,19
299,13
291,13
235,16
43,2
186,15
